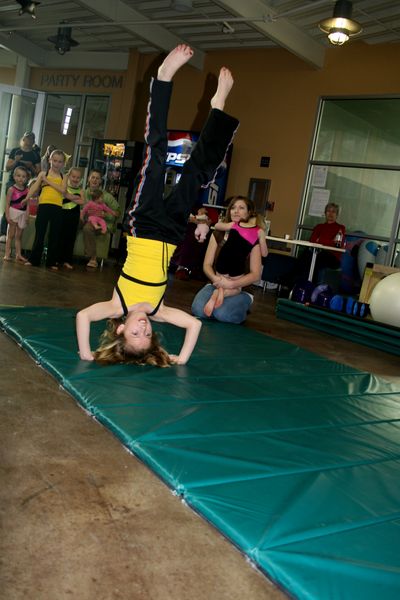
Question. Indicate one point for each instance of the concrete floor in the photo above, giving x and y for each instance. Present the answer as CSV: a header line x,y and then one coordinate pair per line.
x,y
81,517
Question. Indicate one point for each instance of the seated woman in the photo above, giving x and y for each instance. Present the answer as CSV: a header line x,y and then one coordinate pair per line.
x,y
225,264
252,232
90,232
330,233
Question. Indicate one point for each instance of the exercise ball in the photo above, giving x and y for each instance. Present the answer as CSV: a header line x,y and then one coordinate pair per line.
x,y
350,275
384,303
381,255
321,295
366,254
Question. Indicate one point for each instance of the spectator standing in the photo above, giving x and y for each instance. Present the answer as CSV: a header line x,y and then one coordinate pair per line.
x,y
71,209
27,156
52,186
16,212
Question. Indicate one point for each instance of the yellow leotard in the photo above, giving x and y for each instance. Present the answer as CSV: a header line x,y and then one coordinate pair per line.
x,y
145,272
49,195
69,205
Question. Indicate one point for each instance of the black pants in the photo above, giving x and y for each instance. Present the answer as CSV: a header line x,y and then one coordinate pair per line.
x,y
47,215
151,215
69,228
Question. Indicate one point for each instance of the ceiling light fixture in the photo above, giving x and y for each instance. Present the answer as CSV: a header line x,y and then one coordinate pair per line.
x,y
66,120
63,40
27,7
340,26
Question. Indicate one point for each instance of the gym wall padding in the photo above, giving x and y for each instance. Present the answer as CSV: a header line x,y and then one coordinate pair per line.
x,y
293,457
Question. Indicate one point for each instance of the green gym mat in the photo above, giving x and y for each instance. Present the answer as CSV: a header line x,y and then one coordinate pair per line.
x,y
293,457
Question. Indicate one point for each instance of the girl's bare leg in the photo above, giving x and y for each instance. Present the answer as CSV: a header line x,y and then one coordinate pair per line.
x,y
174,61
220,297
217,299
18,249
225,83
10,234
210,305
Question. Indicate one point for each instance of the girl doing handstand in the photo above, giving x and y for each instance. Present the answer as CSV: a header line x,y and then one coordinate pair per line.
x,y
156,225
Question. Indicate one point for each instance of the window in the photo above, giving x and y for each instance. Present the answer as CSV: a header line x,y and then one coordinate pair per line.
x,y
355,162
72,122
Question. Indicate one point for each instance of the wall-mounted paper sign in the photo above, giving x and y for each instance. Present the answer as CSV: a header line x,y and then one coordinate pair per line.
x,y
319,175
319,199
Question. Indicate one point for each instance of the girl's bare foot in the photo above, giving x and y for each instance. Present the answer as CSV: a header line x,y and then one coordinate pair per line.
x,y
6,257
67,265
174,61
21,259
225,83
28,264
220,298
210,305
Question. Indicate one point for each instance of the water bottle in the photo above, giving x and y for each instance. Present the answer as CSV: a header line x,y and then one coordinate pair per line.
x,y
338,239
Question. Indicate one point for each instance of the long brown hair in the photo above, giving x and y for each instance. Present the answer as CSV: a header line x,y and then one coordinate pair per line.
x,y
231,201
114,349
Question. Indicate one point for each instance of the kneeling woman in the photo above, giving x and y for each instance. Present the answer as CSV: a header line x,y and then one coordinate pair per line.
x,y
156,226
238,259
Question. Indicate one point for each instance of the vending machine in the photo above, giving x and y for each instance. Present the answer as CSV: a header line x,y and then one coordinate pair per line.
x,y
118,161
180,146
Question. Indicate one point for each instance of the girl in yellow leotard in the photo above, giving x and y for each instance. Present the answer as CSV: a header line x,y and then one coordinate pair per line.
x,y
156,224
51,186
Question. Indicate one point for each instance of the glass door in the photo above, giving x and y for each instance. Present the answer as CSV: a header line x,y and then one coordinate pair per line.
x,y
93,125
71,122
5,109
61,124
21,110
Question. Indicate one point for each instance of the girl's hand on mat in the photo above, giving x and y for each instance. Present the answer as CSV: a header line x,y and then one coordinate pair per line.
x,y
86,356
180,318
175,360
